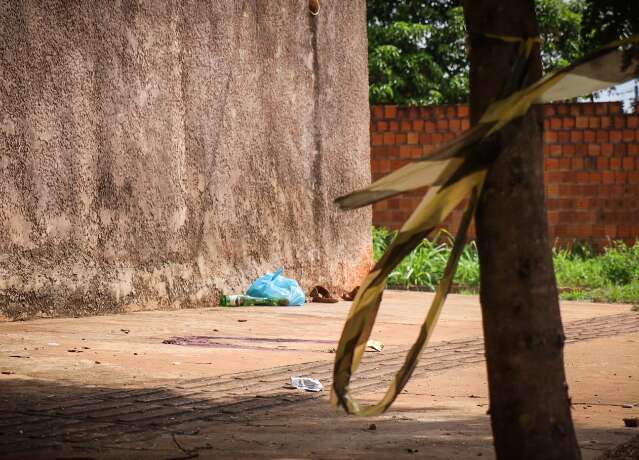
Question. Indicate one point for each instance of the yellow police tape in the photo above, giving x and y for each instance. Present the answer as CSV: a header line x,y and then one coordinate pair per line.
x,y
452,174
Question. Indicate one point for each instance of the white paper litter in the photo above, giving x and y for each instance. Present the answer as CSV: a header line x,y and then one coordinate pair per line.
x,y
375,345
306,383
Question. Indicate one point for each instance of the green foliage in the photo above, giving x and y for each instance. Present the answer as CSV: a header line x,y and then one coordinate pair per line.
x,y
620,264
628,293
617,266
416,52
423,267
417,49
560,27
382,237
576,272
608,20
467,275
609,277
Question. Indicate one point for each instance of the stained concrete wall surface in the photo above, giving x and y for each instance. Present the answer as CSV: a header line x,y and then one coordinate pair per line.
x,y
153,153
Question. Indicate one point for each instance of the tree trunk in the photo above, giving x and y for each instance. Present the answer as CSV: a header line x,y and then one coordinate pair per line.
x,y
524,340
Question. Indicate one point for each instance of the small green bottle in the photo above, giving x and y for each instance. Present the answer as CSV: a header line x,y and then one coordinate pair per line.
x,y
247,300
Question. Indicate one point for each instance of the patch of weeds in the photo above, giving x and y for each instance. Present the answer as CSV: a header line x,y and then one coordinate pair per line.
x,y
424,267
620,263
582,274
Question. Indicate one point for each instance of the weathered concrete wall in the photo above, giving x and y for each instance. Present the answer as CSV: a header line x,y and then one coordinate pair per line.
x,y
154,152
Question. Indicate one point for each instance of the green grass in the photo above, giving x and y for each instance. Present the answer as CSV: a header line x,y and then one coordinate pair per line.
x,y
612,276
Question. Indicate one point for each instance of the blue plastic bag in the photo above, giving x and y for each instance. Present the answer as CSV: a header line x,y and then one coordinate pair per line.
x,y
275,285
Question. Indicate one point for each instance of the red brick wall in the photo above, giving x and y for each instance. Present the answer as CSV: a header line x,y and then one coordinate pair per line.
x,y
591,165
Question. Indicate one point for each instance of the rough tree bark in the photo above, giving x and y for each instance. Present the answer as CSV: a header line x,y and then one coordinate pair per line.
x,y
524,340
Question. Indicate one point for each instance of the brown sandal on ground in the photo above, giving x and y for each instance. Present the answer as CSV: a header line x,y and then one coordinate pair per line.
x,y
350,296
320,294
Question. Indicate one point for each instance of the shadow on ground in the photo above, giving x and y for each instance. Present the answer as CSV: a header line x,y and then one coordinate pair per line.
x,y
46,419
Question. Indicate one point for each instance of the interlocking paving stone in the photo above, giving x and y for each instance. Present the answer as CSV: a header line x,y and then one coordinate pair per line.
x,y
138,412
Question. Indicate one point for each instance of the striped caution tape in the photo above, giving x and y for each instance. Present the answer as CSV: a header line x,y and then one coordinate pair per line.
x,y
454,172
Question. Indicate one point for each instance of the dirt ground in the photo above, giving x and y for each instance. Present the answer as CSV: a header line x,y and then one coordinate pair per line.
x,y
108,387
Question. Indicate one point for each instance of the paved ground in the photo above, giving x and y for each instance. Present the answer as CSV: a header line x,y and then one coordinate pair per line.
x,y
107,387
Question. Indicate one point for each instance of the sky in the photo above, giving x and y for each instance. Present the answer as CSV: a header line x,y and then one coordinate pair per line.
x,y
624,92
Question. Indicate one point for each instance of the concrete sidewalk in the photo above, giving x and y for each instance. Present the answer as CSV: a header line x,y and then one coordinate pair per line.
x,y
108,387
